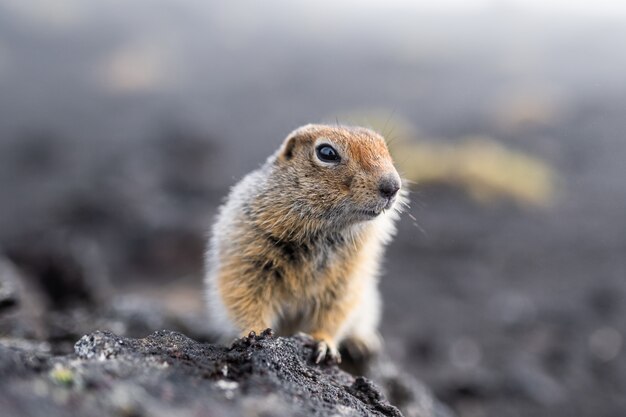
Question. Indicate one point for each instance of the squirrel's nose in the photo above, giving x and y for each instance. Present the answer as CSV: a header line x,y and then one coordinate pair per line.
x,y
389,186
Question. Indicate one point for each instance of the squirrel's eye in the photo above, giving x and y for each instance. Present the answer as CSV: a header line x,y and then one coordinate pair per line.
x,y
327,153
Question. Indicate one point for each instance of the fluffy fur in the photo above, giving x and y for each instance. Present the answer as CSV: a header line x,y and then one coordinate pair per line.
x,y
298,244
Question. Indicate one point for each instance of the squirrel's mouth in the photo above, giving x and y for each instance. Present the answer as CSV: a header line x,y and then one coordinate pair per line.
x,y
390,202
370,213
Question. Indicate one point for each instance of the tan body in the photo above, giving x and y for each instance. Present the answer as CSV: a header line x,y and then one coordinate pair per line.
x,y
298,244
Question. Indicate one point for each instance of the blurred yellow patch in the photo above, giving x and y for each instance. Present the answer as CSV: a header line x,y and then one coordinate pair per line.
x,y
481,166
138,67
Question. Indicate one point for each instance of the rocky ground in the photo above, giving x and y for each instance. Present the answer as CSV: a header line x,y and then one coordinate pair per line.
x,y
169,374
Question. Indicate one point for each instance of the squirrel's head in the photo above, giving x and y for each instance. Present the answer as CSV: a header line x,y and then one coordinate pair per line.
x,y
337,173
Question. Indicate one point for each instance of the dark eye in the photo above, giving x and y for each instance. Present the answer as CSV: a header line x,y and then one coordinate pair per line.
x,y
327,153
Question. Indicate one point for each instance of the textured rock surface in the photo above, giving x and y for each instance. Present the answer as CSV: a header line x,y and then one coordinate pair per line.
x,y
168,374
45,372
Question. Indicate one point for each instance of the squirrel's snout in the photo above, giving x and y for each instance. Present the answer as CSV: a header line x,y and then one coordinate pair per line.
x,y
389,186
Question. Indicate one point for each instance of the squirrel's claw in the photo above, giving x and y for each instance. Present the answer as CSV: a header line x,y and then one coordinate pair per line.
x,y
324,351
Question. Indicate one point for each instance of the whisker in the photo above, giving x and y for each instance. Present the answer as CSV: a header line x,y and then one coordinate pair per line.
x,y
393,127
387,122
420,228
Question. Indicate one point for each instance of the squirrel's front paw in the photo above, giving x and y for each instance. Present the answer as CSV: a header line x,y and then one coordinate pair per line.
x,y
326,350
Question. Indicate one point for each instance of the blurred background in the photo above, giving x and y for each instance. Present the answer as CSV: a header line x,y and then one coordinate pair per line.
x,y
122,125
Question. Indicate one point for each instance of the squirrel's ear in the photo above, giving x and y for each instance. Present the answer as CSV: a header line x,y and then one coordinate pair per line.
x,y
300,136
287,150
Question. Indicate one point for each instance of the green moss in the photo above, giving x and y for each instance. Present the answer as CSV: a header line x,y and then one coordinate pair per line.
x,y
62,376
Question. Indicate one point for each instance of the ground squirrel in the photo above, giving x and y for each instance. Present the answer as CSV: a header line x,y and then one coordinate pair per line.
x,y
298,243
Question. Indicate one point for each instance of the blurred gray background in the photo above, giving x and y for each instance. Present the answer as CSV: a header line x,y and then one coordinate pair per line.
x,y
122,125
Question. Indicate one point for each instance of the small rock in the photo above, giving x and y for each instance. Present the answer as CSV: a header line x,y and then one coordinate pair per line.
x,y
9,296
100,345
